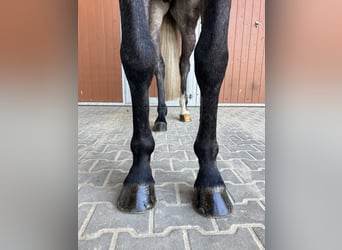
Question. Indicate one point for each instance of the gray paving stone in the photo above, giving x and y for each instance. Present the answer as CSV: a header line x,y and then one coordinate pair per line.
x,y
228,175
110,217
96,179
236,148
260,147
179,155
101,243
254,164
185,215
242,214
236,155
85,165
249,176
245,191
124,155
104,147
190,155
173,176
180,165
257,155
172,241
248,142
161,165
82,214
232,164
185,192
97,194
99,156
187,147
166,193
238,241
260,232
116,148
88,140
116,177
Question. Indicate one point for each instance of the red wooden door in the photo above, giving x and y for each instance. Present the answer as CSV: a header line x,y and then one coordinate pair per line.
x,y
99,63
245,76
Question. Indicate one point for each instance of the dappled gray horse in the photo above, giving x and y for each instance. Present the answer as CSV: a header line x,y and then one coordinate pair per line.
x,y
141,56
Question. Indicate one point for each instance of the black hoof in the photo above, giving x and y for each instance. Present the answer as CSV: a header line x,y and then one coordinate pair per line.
x,y
212,202
136,198
160,127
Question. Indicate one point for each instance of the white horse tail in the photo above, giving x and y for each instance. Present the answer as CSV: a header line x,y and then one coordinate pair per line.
x,y
170,41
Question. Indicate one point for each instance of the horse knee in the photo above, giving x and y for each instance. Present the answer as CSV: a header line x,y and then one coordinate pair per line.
x,y
138,61
210,65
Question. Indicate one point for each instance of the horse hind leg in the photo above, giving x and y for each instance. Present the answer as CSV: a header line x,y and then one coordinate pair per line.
x,y
188,44
157,10
211,57
186,15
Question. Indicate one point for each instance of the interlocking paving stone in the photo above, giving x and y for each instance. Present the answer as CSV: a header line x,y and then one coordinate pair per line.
x,y
96,194
172,241
239,192
166,193
236,148
237,155
174,176
228,175
105,159
260,232
257,155
96,179
161,165
179,165
240,240
109,165
101,243
85,165
116,177
185,192
82,214
99,156
253,164
249,176
166,216
242,214
106,216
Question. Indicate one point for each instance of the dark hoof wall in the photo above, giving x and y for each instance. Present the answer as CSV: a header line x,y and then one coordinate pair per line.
x,y
212,202
136,198
160,127
185,118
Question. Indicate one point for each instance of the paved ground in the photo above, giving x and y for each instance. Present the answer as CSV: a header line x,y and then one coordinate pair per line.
x,y
104,160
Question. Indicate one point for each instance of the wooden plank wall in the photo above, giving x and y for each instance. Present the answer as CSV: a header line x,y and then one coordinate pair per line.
x,y
245,76
99,51
99,58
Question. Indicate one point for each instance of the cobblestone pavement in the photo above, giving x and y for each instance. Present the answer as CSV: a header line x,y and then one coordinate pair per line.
x,y
105,158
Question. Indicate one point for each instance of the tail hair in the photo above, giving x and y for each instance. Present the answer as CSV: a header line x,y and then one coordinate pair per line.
x,y
170,40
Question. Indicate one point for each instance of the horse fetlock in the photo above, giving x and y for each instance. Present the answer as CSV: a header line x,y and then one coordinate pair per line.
x,y
142,146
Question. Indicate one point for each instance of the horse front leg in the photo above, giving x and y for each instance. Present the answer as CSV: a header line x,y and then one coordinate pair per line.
x,y
138,59
211,57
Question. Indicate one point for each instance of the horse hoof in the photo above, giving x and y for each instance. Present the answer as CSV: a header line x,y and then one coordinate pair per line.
x,y
160,127
136,198
185,118
212,202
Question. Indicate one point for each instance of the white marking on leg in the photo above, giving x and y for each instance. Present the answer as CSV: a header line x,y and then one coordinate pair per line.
x,y
184,110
